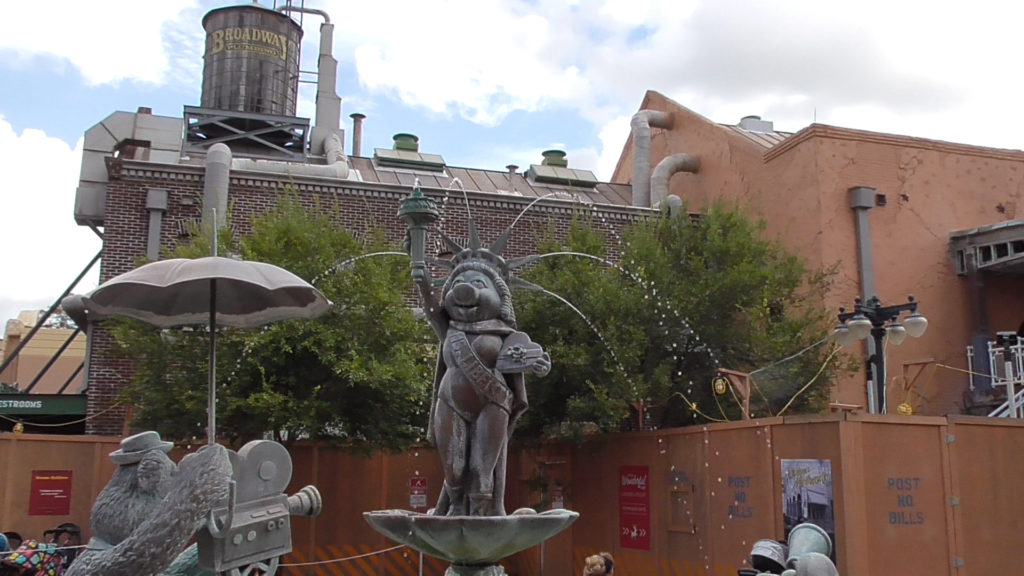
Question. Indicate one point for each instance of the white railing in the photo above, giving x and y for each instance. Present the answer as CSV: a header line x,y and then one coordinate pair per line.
x,y
1006,358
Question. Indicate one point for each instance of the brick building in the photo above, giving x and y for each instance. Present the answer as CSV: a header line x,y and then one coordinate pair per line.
x,y
146,178
896,215
495,199
933,219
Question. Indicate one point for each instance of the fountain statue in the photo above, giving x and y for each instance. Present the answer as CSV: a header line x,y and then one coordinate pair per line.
x,y
230,502
479,393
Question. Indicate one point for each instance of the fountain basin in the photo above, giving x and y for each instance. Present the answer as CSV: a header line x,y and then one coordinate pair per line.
x,y
470,540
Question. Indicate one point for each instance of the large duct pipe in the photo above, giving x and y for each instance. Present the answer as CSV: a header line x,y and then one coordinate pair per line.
x,y
215,186
334,149
357,133
328,103
641,125
862,199
664,171
336,170
159,137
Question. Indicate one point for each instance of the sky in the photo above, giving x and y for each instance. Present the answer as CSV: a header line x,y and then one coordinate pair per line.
x,y
487,83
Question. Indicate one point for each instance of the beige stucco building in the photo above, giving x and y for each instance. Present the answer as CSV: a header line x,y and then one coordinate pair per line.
x,y
62,376
945,223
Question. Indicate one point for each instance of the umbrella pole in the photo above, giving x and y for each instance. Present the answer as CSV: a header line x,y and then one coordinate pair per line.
x,y
211,410
211,401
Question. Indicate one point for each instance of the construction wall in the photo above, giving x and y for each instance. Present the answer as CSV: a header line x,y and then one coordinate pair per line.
x,y
909,495
55,470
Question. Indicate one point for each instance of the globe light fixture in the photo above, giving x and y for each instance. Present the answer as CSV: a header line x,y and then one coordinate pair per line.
x,y
860,327
880,322
896,333
842,335
915,325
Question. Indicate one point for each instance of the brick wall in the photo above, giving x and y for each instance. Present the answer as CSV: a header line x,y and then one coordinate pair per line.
x,y
361,207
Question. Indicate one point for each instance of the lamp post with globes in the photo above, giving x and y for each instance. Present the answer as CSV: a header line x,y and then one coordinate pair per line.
x,y
880,322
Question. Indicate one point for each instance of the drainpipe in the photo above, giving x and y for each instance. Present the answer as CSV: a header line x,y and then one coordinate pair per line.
x,y
215,186
156,203
641,125
862,199
979,338
668,167
357,133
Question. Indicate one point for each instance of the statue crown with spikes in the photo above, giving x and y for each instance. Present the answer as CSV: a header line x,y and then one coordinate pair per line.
x,y
490,256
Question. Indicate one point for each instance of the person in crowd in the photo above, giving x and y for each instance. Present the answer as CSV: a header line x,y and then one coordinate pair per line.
x,y
13,540
68,539
601,564
32,558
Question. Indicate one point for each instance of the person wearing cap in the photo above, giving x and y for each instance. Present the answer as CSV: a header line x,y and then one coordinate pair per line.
x,y
68,539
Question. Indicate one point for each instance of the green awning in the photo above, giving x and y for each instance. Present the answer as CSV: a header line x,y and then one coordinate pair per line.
x,y
42,404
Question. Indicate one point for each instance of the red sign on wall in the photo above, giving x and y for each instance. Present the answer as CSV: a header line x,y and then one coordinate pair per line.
x,y
50,493
417,492
634,508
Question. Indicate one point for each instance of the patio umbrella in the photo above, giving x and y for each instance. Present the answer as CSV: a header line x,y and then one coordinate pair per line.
x,y
214,291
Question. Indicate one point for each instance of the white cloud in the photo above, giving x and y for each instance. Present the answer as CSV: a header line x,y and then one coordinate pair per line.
x,y
613,137
107,42
479,59
44,253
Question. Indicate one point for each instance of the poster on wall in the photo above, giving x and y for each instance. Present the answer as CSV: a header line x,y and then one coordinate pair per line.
x,y
417,492
634,508
557,497
807,495
50,493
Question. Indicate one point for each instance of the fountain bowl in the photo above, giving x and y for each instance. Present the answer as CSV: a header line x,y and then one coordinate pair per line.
x,y
470,540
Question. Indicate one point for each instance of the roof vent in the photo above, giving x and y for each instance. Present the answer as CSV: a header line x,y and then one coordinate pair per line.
x,y
755,124
554,158
406,154
404,141
554,169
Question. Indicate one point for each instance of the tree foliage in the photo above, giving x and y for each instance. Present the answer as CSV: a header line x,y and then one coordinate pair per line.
x,y
358,374
688,297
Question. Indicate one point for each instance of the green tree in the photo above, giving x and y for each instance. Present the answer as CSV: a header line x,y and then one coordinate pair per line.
x,y
688,297
358,374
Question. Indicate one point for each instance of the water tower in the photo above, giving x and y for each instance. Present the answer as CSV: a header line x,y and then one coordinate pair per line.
x,y
250,85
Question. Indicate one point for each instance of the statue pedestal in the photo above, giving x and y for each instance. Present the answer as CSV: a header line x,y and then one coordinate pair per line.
x,y
473,544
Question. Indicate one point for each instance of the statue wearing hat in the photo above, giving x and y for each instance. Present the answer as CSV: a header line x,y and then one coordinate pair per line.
x,y
145,516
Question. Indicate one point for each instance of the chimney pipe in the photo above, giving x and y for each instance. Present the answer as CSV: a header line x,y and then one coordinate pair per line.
x,y
511,168
357,133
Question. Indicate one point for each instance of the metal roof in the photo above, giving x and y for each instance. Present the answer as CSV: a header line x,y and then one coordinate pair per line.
x,y
997,248
490,181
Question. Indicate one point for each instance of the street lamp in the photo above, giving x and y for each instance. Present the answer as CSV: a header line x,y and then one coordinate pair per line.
x,y
880,322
